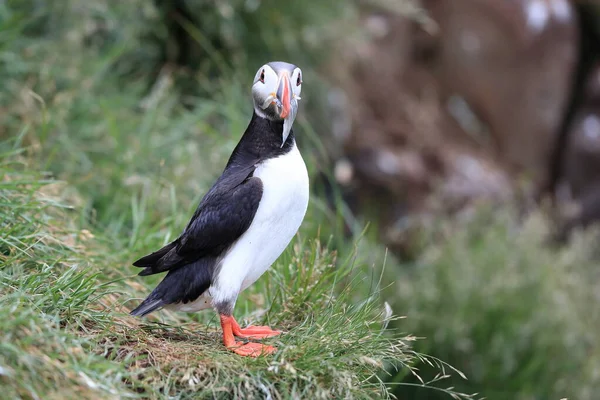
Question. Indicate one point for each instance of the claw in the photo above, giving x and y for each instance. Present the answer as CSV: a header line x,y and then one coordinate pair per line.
x,y
231,328
254,332
252,349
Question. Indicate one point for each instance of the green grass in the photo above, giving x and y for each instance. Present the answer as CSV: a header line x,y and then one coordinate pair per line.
x,y
65,332
136,151
494,299
107,146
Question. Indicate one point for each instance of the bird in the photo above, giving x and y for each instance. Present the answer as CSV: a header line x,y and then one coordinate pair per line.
x,y
244,222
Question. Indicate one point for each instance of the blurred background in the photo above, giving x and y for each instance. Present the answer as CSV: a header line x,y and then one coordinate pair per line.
x,y
464,133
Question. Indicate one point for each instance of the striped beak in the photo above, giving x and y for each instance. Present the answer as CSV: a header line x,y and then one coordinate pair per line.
x,y
284,92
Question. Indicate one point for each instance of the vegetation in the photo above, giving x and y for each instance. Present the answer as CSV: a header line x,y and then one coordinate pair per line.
x,y
517,316
103,159
65,331
111,131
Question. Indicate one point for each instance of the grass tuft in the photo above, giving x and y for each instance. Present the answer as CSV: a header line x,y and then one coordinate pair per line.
x,y
65,331
492,298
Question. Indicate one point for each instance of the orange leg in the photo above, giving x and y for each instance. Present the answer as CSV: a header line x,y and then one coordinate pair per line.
x,y
229,326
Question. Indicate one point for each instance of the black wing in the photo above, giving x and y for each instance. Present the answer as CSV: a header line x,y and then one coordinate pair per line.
x,y
222,217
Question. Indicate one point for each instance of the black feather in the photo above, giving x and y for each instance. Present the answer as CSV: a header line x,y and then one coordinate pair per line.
x,y
223,215
147,307
179,286
151,259
220,220
146,271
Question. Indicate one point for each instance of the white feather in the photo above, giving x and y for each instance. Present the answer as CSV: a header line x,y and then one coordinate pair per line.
x,y
279,215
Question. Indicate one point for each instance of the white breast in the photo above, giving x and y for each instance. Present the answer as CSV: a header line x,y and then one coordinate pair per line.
x,y
279,215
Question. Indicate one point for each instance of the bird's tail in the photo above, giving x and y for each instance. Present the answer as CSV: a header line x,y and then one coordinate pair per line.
x,y
180,285
149,305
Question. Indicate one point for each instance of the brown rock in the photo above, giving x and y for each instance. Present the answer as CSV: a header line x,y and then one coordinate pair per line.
x,y
578,190
435,119
404,154
513,62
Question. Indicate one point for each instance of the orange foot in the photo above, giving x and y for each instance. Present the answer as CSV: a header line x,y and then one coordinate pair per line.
x,y
231,327
253,332
251,349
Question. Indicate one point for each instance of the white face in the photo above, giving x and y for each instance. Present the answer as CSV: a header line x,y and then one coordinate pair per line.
x,y
276,95
266,87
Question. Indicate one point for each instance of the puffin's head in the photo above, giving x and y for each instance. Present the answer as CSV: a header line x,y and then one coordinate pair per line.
x,y
276,91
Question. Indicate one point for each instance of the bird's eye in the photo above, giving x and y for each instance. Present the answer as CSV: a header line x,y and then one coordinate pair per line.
x,y
299,80
262,76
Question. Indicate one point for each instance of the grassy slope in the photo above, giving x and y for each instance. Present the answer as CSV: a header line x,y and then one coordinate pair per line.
x,y
65,332
135,167
81,91
134,174
84,101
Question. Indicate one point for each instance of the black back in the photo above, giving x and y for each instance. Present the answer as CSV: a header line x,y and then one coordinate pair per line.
x,y
223,215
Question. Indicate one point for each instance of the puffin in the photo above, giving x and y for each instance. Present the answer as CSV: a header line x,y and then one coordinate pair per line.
x,y
245,220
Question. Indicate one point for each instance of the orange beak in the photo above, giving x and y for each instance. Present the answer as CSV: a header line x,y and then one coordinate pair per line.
x,y
283,95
